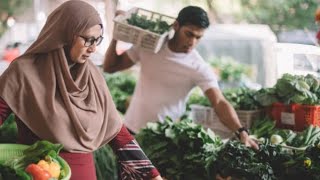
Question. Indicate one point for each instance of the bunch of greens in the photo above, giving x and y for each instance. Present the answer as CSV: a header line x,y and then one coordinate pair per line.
x,y
269,162
242,98
262,128
121,86
266,96
265,128
230,70
157,26
196,97
240,162
14,168
178,149
307,137
302,164
8,130
292,89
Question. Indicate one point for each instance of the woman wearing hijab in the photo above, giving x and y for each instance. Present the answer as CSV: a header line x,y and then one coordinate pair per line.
x,y
57,94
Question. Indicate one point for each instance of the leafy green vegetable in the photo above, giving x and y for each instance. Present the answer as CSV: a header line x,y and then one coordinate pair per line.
x,y
242,98
162,141
291,89
106,163
263,127
8,130
157,26
240,162
121,86
230,70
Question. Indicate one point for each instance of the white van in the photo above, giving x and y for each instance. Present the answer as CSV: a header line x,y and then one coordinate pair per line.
x,y
298,59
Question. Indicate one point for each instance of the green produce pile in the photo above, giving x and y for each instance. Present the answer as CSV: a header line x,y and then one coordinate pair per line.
x,y
242,98
229,70
178,149
265,130
184,150
292,89
121,86
270,162
157,26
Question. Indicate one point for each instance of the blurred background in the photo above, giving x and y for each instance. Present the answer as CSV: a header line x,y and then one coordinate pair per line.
x,y
254,33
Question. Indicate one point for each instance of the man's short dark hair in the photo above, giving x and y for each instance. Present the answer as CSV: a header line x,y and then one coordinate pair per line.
x,y
193,15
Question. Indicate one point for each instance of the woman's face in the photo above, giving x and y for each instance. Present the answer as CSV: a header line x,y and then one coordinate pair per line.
x,y
85,44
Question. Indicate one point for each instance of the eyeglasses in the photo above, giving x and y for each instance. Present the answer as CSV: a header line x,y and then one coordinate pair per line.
x,y
91,40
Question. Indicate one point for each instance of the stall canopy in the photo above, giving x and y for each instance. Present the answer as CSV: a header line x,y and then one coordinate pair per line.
x,y
250,44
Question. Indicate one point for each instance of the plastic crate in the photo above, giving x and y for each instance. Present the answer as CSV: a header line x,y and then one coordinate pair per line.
x,y
201,114
8,151
295,116
207,117
218,127
143,38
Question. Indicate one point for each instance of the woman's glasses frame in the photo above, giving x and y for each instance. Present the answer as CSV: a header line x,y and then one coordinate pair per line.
x,y
89,41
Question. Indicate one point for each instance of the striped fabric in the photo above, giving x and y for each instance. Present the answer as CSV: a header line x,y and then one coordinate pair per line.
x,y
5,110
134,164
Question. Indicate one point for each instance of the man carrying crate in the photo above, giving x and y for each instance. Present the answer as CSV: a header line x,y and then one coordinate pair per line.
x,y
167,77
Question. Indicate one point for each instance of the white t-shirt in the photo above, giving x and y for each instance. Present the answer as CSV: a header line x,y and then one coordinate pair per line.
x,y
165,80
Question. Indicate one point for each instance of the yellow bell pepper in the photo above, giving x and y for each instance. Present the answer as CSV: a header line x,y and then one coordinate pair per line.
x,y
52,167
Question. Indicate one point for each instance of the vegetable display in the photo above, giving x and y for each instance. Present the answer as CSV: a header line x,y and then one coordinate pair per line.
x,y
292,89
229,70
178,149
184,150
242,98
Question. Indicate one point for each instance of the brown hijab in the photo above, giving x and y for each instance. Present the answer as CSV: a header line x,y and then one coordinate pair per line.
x,y
77,111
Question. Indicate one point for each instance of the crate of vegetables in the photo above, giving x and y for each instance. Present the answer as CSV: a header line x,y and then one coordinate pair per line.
x,y
295,116
144,28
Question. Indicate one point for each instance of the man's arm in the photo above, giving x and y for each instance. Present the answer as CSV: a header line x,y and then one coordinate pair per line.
x,y
228,115
114,62
223,108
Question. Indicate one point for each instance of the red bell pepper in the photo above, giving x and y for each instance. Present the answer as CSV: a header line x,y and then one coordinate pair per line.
x,y
37,172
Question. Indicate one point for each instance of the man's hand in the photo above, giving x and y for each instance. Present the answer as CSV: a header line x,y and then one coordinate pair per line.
x,y
120,12
246,140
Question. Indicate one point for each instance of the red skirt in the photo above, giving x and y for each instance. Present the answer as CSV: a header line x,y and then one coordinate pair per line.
x,y
81,164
